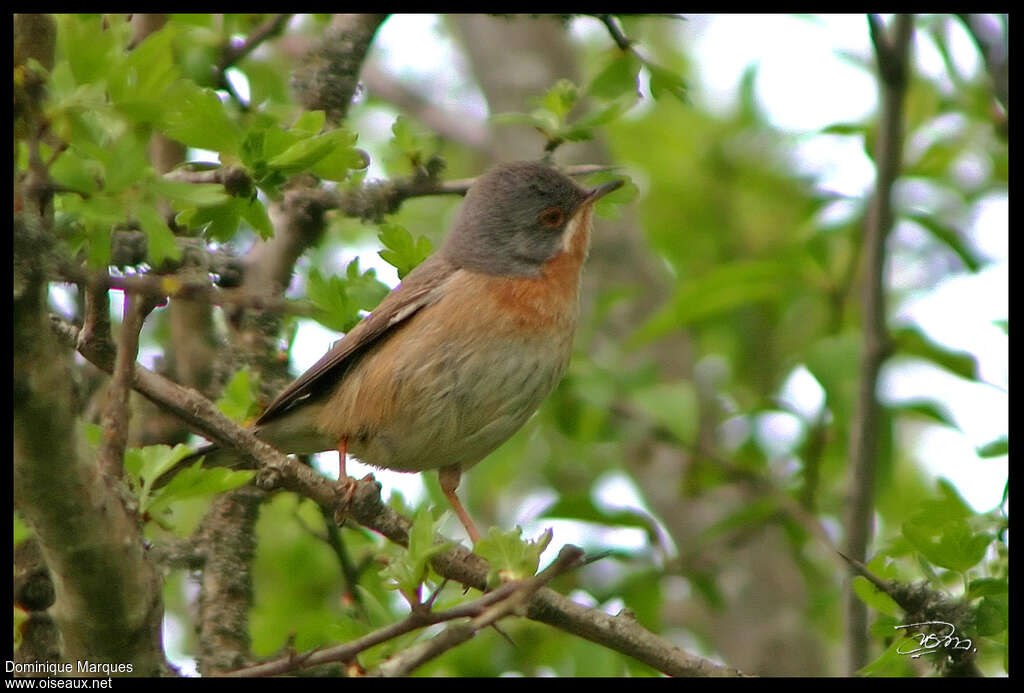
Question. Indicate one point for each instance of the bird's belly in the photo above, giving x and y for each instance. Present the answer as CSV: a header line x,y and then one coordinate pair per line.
x,y
459,405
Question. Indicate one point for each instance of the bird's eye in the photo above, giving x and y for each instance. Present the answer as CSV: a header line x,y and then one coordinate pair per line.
x,y
552,217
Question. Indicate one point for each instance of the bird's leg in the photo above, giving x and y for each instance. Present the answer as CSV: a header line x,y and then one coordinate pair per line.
x,y
346,484
449,478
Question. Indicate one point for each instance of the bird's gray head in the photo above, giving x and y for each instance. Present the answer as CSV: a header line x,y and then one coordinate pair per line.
x,y
515,218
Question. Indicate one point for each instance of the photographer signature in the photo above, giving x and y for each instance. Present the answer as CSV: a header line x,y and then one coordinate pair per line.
x,y
931,642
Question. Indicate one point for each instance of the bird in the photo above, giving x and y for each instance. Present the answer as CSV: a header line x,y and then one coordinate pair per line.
x,y
458,356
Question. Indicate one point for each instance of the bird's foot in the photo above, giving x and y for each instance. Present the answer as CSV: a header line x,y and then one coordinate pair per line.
x,y
346,489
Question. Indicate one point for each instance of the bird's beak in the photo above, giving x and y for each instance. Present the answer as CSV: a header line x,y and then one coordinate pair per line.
x,y
602,190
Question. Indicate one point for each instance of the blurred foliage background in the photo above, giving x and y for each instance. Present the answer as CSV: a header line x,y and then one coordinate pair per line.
x,y
702,434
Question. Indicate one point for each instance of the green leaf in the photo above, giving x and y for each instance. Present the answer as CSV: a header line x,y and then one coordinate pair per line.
x,y
98,214
542,122
309,123
956,548
722,289
160,243
933,411
410,143
617,79
21,530
302,154
363,288
665,82
582,128
986,587
560,99
197,118
948,506
148,463
238,401
338,300
138,84
77,173
252,150
337,164
190,194
89,49
996,448
672,405
125,163
333,308
875,598
890,663
509,556
910,341
843,129
400,249
218,222
255,213
992,615
404,138
195,481
883,627
949,237
407,572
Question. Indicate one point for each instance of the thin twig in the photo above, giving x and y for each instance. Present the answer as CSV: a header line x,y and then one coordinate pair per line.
x,y
615,31
233,52
185,287
417,618
116,411
349,570
891,50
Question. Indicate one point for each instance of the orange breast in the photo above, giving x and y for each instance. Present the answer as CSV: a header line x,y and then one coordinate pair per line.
x,y
542,303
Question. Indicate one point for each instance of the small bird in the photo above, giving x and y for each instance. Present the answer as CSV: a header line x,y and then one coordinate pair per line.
x,y
460,354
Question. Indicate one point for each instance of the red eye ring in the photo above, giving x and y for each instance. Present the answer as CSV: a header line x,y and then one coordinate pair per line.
x,y
552,217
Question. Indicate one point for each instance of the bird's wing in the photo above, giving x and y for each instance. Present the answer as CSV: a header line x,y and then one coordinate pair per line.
x,y
420,288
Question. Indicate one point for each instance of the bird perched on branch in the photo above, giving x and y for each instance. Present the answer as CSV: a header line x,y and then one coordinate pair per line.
x,y
463,351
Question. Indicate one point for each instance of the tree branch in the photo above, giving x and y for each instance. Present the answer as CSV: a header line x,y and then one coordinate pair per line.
x,y
233,52
116,411
620,633
892,57
227,538
509,595
108,604
327,78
